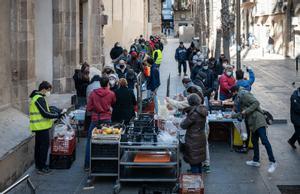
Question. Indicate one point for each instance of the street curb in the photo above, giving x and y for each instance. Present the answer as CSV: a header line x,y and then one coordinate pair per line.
x,y
280,121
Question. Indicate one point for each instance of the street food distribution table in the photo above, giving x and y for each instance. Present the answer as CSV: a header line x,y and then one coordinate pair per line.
x,y
214,118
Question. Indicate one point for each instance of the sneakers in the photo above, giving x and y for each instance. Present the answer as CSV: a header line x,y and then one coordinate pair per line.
x,y
272,167
253,163
291,144
206,169
44,171
243,150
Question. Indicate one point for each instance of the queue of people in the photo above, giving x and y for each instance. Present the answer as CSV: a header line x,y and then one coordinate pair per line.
x,y
110,97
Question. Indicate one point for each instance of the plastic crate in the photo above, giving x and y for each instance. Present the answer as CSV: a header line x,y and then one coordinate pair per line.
x,y
62,146
104,166
62,161
191,184
104,150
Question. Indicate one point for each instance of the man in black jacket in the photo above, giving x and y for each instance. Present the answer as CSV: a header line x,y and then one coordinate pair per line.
x,y
295,117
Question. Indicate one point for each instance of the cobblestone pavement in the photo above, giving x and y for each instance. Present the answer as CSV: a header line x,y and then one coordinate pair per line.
x,y
229,172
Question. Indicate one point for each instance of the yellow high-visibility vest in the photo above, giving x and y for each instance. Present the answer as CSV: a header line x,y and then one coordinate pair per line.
x,y
159,56
37,121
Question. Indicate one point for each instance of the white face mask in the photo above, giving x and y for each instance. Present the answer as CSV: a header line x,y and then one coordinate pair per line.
x,y
205,67
198,53
48,93
112,82
228,73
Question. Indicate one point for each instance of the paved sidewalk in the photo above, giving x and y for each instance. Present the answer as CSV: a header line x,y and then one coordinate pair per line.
x,y
229,171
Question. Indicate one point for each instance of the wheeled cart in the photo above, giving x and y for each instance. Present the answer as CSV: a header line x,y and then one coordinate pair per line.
x,y
104,158
148,162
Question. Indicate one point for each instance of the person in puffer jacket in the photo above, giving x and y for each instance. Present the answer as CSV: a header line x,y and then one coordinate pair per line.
x,y
195,138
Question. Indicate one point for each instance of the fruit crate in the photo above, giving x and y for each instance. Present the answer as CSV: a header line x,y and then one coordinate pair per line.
x,y
191,184
63,146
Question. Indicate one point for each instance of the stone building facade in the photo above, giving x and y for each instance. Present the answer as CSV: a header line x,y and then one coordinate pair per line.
x,y
155,13
46,40
183,15
127,20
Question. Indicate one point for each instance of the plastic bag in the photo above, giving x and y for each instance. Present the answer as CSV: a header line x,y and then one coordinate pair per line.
x,y
241,127
165,138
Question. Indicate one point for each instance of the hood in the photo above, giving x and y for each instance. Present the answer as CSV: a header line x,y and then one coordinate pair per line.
x,y
102,92
201,110
35,92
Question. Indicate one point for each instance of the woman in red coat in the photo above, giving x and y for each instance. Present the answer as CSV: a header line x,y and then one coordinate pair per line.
x,y
227,81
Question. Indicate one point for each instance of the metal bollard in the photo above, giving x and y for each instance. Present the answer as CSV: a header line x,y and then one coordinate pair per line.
x,y
297,63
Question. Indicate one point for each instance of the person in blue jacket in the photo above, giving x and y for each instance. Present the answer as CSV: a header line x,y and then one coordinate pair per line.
x,y
153,82
181,58
242,82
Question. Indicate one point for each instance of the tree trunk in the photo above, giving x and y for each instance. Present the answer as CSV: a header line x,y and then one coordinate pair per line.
x,y
227,25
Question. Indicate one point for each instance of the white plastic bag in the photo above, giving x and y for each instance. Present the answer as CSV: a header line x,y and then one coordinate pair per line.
x,y
241,127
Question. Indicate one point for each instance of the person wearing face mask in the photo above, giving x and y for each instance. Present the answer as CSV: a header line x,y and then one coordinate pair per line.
x,y
107,70
226,81
157,55
219,64
187,83
121,69
209,79
181,58
135,47
113,82
41,121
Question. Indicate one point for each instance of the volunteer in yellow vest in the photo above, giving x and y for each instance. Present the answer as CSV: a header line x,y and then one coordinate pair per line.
x,y
40,122
157,55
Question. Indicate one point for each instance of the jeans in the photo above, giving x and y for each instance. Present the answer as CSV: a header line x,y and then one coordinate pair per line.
x,y
196,168
87,147
296,135
261,133
182,63
41,148
155,98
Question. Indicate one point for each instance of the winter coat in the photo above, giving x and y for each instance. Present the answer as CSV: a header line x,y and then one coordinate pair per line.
x,y
136,65
131,80
253,113
295,107
80,84
195,71
154,80
120,73
93,86
123,110
195,139
209,80
226,83
247,83
100,104
219,67
181,54
116,52
198,59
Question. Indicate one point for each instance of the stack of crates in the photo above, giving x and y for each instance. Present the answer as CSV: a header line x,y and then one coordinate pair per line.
x,y
63,153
